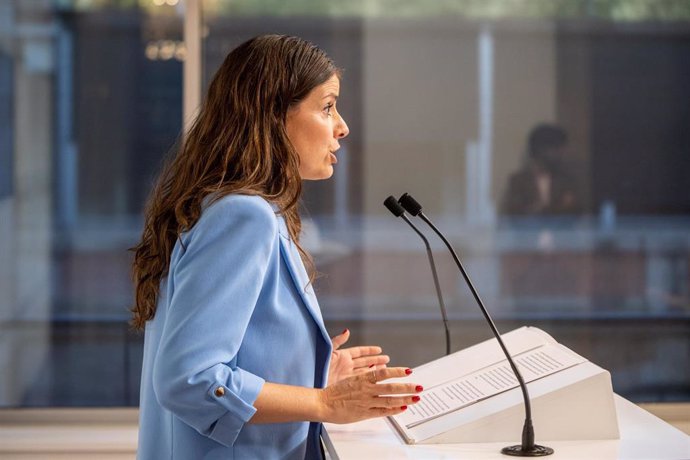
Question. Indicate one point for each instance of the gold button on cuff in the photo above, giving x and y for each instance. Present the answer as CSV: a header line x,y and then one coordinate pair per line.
x,y
220,391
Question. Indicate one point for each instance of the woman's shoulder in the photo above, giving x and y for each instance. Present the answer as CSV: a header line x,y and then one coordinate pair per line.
x,y
234,209
239,201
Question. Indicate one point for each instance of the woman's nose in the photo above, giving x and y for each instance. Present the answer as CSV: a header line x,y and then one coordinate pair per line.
x,y
341,129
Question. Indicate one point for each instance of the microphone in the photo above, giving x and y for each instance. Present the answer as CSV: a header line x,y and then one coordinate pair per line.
x,y
528,448
398,211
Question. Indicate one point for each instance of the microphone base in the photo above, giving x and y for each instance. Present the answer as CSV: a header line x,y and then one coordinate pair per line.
x,y
535,451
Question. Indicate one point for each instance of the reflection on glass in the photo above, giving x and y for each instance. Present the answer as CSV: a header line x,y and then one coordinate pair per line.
x,y
512,122
544,184
454,102
91,115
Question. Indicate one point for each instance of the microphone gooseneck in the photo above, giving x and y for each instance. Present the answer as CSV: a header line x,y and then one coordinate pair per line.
x,y
528,448
394,207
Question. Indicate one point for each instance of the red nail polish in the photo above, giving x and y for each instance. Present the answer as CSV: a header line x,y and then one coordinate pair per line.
x,y
419,388
403,407
415,398
372,366
344,331
408,371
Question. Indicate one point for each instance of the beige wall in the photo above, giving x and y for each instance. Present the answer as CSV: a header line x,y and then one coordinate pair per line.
x,y
421,106
525,94
419,81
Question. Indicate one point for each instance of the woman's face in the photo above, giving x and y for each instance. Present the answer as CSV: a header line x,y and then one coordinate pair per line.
x,y
314,127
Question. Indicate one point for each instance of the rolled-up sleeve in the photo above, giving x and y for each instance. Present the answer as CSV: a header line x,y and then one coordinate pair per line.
x,y
216,283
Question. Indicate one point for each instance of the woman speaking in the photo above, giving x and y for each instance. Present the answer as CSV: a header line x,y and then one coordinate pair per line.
x,y
237,361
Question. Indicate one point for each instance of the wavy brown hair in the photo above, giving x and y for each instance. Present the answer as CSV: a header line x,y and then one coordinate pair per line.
x,y
237,144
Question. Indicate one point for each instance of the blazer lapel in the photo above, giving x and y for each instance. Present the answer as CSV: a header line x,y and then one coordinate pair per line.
x,y
301,279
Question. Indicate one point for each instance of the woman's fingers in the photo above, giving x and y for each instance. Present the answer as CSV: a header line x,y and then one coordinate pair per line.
x,y
340,339
377,375
364,370
398,388
387,411
364,396
388,402
357,352
370,361
383,391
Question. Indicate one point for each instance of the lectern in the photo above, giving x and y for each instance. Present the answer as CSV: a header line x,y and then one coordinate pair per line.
x,y
472,395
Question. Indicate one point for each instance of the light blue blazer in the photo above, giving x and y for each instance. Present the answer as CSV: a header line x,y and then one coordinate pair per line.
x,y
236,310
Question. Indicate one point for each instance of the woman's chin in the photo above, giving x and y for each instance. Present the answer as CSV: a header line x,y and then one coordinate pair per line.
x,y
326,173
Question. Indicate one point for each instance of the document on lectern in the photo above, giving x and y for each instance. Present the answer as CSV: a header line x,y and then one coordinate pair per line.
x,y
472,395
542,360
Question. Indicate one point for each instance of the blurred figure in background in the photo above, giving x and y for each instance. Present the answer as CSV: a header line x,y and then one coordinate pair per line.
x,y
543,186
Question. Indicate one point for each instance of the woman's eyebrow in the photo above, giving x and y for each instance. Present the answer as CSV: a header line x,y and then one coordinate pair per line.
x,y
333,95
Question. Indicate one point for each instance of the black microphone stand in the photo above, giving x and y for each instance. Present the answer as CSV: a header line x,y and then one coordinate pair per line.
x,y
398,211
528,448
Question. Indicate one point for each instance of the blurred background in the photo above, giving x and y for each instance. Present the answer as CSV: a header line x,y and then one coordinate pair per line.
x,y
550,139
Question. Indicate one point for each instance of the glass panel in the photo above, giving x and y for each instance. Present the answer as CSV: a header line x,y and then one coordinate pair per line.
x,y
90,101
442,99
546,138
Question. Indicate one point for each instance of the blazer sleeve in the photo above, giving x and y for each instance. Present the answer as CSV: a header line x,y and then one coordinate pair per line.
x,y
216,283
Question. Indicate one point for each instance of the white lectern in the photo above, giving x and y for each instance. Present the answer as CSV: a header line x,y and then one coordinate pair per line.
x,y
473,396
471,408
642,437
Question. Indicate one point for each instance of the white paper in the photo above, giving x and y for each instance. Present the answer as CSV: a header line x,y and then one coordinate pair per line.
x,y
470,359
488,381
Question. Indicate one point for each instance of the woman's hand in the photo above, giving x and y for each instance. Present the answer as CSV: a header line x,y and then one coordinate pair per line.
x,y
347,362
362,397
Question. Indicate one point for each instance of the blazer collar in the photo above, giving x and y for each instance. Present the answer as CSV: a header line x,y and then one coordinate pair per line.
x,y
299,275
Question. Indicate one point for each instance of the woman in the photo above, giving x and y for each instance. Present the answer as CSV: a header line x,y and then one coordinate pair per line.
x,y
237,361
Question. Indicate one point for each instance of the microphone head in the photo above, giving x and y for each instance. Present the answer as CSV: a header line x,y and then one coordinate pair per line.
x,y
393,206
410,204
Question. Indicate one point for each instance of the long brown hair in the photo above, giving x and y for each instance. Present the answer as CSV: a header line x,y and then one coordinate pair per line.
x,y
237,144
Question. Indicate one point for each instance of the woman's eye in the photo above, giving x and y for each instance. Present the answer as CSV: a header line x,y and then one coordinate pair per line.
x,y
328,108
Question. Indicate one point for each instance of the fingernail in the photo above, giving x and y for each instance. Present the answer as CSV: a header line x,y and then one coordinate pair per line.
x,y
372,366
408,371
403,407
415,398
419,388
344,331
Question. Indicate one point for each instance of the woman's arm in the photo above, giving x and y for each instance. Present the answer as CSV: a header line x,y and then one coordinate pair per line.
x,y
215,282
349,400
